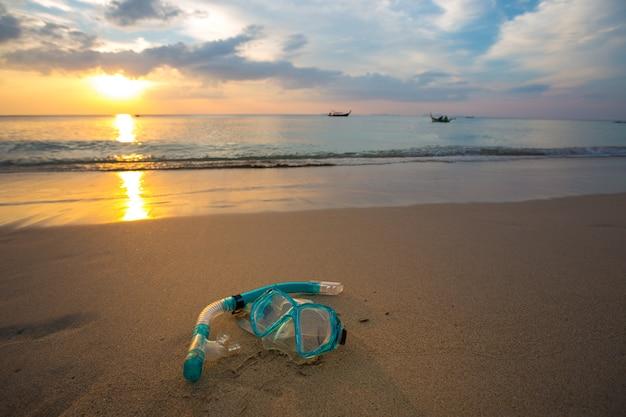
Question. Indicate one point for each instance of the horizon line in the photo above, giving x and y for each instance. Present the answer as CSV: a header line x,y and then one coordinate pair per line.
x,y
468,116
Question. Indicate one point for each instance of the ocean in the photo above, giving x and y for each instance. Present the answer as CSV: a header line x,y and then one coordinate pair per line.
x,y
125,142
99,169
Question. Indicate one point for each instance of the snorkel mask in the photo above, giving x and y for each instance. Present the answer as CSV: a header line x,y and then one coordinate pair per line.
x,y
300,328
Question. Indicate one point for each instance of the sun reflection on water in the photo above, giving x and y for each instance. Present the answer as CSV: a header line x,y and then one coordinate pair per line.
x,y
125,126
135,205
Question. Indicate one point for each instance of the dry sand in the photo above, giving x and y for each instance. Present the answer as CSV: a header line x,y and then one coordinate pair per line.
x,y
474,310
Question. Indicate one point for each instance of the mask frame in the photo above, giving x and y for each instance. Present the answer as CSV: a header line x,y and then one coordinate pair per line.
x,y
294,313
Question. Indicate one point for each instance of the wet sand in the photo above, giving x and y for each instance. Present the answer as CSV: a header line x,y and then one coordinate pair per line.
x,y
509,309
62,198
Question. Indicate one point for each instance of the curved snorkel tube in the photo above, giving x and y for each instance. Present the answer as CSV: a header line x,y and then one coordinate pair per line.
x,y
192,368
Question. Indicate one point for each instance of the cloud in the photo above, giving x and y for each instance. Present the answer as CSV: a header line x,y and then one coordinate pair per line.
x,y
61,33
20,30
565,43
129,12
389,36
384,87
136,45
218,60
294,43
54,4
431,77
456,14
221,61
9,26
530,89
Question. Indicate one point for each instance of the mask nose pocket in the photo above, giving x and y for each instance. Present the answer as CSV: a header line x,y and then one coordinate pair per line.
x,y
283,338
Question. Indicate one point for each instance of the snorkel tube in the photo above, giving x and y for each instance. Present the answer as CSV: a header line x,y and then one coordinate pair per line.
x,y
192,368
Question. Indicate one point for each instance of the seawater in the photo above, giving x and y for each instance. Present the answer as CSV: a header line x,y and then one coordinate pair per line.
x,y
127,142
100,169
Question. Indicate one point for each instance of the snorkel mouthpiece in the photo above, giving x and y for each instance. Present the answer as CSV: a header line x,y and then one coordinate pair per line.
x,y
192,368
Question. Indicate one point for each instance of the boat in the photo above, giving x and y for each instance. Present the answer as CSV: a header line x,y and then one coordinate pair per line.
x,y
440,119
333,113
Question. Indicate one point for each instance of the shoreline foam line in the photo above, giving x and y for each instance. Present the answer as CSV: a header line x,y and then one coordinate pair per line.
x,y
26,156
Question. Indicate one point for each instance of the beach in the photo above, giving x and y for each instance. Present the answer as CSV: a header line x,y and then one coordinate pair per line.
x,y
461,225
464,309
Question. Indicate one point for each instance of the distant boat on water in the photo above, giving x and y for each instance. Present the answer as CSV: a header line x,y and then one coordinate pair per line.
x,y
333,113
440,119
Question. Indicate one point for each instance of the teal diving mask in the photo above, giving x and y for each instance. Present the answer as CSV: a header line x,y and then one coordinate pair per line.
x,y
295,326
300,328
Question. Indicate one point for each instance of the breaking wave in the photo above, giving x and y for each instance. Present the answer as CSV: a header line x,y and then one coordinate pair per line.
x,y
23,156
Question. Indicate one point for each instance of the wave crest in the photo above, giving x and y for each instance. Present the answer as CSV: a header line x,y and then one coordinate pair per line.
x,y
108,156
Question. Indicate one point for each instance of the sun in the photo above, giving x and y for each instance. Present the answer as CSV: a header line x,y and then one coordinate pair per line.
x,y
118,87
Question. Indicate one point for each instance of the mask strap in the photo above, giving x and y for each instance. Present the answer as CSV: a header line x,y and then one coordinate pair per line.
x,y
344,335
239,303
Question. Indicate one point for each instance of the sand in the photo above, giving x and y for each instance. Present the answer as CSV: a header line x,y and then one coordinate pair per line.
x,y
513,309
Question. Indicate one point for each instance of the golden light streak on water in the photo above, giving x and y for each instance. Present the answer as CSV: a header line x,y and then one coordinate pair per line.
x,y
125,126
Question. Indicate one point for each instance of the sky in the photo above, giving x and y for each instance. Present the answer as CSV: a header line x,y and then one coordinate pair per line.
x,y
519,58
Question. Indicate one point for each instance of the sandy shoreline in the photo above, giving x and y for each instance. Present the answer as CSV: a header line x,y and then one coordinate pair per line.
x,y
493,309
62,198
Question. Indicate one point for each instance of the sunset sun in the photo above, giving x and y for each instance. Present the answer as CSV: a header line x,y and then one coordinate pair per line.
x,y
118,87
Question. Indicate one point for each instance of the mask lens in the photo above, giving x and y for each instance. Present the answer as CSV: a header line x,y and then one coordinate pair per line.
x,y
282,339
315,328
269,310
